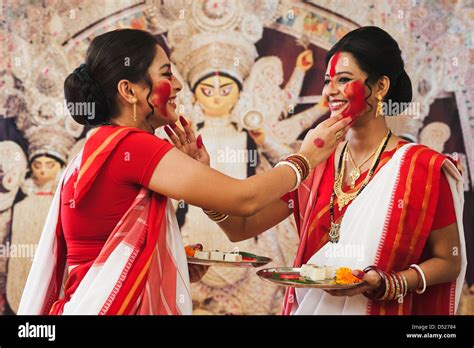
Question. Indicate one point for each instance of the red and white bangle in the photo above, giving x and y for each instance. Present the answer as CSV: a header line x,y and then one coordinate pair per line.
x,y
295,169
421,275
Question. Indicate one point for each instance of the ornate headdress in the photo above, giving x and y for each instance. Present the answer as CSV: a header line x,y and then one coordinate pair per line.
x,y
52,141
209,36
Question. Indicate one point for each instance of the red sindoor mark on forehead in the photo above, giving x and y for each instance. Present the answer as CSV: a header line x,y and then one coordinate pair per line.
x,y
160,95
333,63
355,94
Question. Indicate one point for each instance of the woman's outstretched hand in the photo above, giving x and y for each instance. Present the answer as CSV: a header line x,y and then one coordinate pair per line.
x,y
187,142
321,141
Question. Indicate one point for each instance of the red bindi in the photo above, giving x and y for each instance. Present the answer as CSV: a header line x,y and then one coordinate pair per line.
x,y
160,96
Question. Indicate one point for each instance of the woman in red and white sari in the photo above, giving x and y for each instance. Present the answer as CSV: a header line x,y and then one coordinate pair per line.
x,y
111,243
377,201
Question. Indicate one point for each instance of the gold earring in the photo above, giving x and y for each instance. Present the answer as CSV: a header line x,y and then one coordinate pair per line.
x,y
134,102
378,112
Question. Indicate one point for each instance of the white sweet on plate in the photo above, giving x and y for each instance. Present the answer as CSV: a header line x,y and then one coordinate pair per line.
x,y
202,255
217,255
313,272
232,257
329,272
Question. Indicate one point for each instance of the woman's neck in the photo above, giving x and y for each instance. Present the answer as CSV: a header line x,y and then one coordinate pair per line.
x,y
364,138
127,122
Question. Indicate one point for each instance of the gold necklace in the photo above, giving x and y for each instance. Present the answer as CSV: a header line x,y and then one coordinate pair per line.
x,y
345,197
355,172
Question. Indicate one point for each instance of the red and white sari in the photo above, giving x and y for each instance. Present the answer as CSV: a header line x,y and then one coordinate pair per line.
x,y
391,219
141,269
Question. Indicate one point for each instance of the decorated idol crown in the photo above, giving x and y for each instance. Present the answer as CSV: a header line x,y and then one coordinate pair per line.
x,y
53,141
208,36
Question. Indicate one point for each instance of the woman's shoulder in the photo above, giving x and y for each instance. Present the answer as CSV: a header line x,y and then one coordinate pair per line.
x,y
139,137
416,149
422,157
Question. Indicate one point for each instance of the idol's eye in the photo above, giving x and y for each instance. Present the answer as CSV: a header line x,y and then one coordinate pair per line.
x,y
207,91
37,165
225,90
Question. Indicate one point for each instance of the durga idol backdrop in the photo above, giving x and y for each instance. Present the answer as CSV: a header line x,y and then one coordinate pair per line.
x,y
252,73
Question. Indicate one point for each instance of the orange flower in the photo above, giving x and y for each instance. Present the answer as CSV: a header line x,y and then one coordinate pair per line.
x,y
189,251
344,276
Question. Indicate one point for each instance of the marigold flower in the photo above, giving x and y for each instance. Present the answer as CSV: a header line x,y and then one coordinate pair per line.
x,y
344,276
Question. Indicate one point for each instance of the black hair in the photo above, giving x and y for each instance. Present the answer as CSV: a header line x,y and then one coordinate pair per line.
x,y
111,57
219,73
377,54
57,159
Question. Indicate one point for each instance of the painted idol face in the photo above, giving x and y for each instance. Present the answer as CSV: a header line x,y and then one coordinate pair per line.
x,y
217,95
344,87
44,169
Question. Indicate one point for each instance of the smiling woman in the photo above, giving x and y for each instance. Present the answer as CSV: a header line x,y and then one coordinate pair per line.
x,y
111,227
401,203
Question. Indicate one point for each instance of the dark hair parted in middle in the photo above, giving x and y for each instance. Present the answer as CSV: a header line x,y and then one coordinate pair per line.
x,y
377,54
111,57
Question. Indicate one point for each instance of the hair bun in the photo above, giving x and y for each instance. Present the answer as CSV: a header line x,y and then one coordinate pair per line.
x,y
401,93
87,103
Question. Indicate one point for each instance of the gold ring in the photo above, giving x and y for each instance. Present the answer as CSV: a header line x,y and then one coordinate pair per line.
x,y
339,135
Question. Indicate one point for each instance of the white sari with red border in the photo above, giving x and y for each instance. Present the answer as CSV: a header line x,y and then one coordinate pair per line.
x,y
142,268
363,237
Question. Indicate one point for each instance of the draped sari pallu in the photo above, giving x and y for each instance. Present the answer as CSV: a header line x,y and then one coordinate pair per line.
x,y
405,231
141,269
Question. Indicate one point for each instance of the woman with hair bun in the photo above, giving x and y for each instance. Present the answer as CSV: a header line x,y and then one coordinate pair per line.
x,y
111,242
388,209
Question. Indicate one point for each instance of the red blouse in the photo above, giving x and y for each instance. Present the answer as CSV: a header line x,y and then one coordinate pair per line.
x,y
87,226
445,214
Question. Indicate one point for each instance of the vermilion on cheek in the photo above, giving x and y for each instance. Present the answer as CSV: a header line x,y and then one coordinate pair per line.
x,y
160,95
355,94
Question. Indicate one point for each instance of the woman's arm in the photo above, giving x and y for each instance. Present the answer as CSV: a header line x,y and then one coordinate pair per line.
x,y
180,177
239,228
444,265
183,178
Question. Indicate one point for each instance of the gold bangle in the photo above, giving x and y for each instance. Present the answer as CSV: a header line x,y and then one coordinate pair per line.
x,y
304,158
405,284
302,161
393,291
215,216
387,288
398,286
